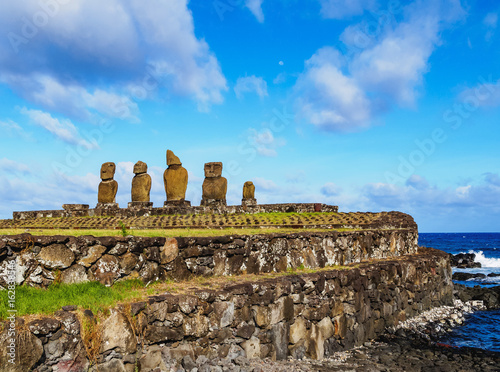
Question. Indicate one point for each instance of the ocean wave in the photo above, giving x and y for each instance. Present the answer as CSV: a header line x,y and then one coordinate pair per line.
x,y
485,261
487,280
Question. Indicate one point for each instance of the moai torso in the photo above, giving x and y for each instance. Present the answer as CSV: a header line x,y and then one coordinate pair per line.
x,y
175,178
108,187
141,183
248,190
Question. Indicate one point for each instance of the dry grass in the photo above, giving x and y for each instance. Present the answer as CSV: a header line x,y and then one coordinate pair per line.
x,y
91,331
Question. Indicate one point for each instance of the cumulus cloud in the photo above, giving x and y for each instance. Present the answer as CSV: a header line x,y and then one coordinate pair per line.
x,y
330,189
264,142
344,92
339,9
264,184
417,194
490,21
11,128
329,99
484,94
11,166
250,84
73,59
255,7
61,129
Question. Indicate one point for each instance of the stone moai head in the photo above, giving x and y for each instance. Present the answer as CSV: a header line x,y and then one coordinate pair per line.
x,y
140,167
172,159
213,170
108,171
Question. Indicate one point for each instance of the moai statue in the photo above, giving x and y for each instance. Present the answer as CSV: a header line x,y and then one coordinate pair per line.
x,y
141,183
214,186
249,195
108,187
176,180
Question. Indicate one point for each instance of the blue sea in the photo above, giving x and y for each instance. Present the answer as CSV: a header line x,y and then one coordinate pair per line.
x,y
481,329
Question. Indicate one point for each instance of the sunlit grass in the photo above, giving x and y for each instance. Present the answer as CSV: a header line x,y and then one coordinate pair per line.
x,y
98,298
90,295
181,232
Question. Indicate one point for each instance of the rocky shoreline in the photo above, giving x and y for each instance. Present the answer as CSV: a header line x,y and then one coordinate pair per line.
x,y
411,346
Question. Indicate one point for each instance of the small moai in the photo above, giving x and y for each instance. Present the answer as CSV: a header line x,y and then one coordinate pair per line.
x,y
108,186
141,186
175,179
249,195
214,186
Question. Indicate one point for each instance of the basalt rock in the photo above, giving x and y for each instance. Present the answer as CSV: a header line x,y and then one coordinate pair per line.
x,y
464,260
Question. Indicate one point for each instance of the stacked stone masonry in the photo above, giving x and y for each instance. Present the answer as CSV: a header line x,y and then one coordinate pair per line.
x,y
84,211
108,259
309,315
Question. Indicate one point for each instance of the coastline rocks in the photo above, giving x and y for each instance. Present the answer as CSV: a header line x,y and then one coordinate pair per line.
x,y
489,296
466,276
464,261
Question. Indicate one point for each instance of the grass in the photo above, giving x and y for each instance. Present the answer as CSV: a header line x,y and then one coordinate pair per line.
x,y
181,232
198,221
99,298
90,295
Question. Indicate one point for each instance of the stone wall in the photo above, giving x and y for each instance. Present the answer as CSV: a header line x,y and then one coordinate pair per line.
x,y
310,315
108,259
114,211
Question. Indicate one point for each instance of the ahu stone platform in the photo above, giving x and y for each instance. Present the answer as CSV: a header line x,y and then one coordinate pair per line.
x,y
171,208
305,220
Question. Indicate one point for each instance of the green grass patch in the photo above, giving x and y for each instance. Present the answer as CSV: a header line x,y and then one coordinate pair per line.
x,y
91,295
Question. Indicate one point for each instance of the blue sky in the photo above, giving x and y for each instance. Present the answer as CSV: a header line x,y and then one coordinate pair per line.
x,y
364,104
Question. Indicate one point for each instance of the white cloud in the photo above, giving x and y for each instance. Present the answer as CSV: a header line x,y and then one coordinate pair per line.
x,y
11,166
250,84
491,20
339,9
327,98
61,129
263,184
11,128
96,50
485,94
330,189
255,7
345,92
264,142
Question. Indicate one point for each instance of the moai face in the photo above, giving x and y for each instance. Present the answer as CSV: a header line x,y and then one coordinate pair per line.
x,y
213,169
108,171
140,167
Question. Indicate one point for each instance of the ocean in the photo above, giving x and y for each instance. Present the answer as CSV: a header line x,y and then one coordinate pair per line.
x,y
481,329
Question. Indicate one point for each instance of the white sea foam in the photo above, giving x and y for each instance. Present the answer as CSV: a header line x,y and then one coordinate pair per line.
x,y
485,261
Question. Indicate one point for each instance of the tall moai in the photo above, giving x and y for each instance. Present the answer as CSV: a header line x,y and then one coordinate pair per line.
x,y
175,179
214,186
141,183
249,195
108,186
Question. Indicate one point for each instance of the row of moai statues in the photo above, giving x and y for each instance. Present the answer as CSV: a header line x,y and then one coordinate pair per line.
x,y
175,179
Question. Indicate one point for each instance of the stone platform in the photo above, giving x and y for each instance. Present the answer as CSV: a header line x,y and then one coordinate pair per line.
x,y
311,220
147,209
